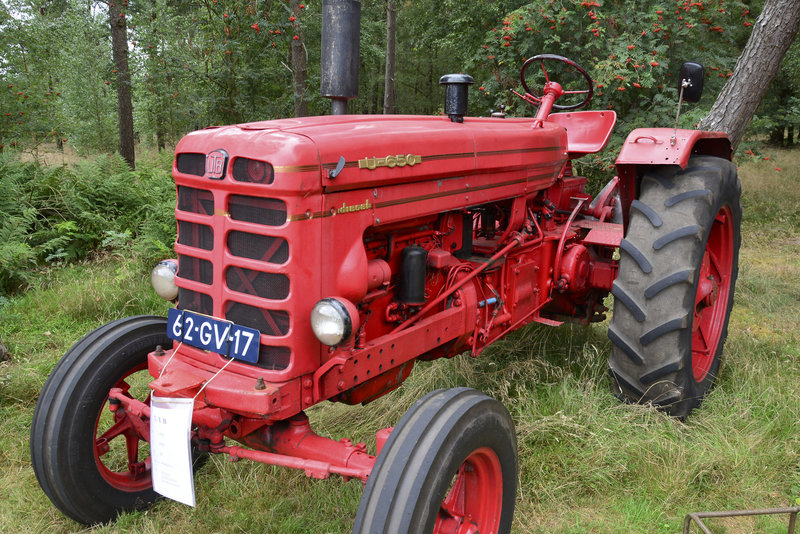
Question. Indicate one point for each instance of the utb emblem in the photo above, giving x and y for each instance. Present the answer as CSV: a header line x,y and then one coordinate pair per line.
x,y
216,163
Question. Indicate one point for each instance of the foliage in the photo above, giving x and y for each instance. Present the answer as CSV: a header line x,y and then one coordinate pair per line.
x,y
198,63
52,215
779,112
632,52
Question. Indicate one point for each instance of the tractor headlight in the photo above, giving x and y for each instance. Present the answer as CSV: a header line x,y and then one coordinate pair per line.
x,y
334,320
163,279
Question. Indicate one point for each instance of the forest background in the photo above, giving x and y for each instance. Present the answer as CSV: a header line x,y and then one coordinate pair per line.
x,y
194,63
70,72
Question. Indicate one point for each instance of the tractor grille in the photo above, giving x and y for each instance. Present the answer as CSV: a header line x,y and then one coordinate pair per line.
x,y
192,163
258,247
195,235
192,300
266,211
269,322
245,281
265,285
196,269
195,200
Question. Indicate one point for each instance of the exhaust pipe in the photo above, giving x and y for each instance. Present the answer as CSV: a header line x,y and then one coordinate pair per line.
x,y
341,30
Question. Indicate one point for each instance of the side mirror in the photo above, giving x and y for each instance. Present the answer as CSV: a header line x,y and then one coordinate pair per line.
x,y
690,83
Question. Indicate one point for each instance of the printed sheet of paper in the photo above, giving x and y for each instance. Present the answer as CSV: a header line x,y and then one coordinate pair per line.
x,y
170,448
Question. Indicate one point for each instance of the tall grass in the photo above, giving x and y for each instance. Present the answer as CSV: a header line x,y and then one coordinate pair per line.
x,y
587,462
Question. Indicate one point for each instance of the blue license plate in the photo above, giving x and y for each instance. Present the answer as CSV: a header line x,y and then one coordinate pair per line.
x,y
215,335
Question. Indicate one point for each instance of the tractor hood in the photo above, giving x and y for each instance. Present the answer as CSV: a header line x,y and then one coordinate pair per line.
x,y
375,150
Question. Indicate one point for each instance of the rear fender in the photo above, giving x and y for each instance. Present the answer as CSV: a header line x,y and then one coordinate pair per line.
x,y
646,147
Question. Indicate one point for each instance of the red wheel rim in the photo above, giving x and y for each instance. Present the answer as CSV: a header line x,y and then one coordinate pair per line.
x,y
120,439
713,292
475,500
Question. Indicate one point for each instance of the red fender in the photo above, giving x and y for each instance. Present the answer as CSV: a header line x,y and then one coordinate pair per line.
x,y
645,147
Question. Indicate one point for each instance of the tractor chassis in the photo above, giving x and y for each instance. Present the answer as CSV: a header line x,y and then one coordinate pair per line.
x,y
290,443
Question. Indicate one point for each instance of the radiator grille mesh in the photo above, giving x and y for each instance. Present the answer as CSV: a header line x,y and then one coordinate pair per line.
x,y
192,163
195,200
266,285
258,247
195,269
269,322
266,211
198,302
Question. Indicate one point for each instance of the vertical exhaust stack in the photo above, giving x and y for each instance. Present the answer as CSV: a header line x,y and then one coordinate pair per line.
x,y
341,30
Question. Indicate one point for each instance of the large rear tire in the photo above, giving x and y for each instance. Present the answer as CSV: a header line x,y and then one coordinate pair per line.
x,y
450,466
90,467
674,291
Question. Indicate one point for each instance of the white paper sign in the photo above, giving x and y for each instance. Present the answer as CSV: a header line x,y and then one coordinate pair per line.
x,y
170,448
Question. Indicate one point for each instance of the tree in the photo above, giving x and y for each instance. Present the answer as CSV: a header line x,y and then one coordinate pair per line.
x,y
773,34
389,89
119,50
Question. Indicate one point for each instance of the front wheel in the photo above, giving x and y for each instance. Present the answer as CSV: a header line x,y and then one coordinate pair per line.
x,y
91,465
449,467
674,292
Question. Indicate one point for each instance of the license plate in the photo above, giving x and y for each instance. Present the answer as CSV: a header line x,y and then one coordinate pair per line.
x,y
215,335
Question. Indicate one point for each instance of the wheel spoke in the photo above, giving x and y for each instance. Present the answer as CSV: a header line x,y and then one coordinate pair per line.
x,y
714,265
454,504
132,444
120,427
544,70
124,386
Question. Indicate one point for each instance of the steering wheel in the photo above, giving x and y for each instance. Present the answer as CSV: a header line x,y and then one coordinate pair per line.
x,y
541,58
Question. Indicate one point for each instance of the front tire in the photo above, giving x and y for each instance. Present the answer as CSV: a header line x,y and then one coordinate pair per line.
x,y
674,292
450,466
90,467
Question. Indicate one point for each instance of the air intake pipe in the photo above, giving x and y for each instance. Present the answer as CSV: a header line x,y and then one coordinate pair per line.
x,y
455,95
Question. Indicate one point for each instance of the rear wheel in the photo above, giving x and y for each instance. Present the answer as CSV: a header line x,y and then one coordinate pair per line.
x,y
450,466
90,462
674,291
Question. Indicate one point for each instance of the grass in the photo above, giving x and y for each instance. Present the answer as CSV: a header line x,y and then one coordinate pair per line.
x,y
587,462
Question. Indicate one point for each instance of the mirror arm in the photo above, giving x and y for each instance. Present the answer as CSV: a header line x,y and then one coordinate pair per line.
x,y
684,84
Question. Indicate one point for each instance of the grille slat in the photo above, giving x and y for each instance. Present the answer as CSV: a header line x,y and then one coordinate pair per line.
x,y
195,235
195,269
258,247
269,322
265,285
191,163
195,200
274,358
194,301
266,211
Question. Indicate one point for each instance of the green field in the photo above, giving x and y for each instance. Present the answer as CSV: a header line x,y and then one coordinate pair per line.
x,y
588,463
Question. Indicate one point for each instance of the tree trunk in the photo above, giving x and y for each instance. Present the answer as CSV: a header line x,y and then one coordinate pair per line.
x,y
119,48
389,90
773,33
299,69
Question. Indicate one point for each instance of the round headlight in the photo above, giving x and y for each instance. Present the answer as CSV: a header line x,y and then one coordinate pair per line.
x,y
163,279
333,320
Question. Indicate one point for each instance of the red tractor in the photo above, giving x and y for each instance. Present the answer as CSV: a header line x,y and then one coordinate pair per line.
x,y
319,258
